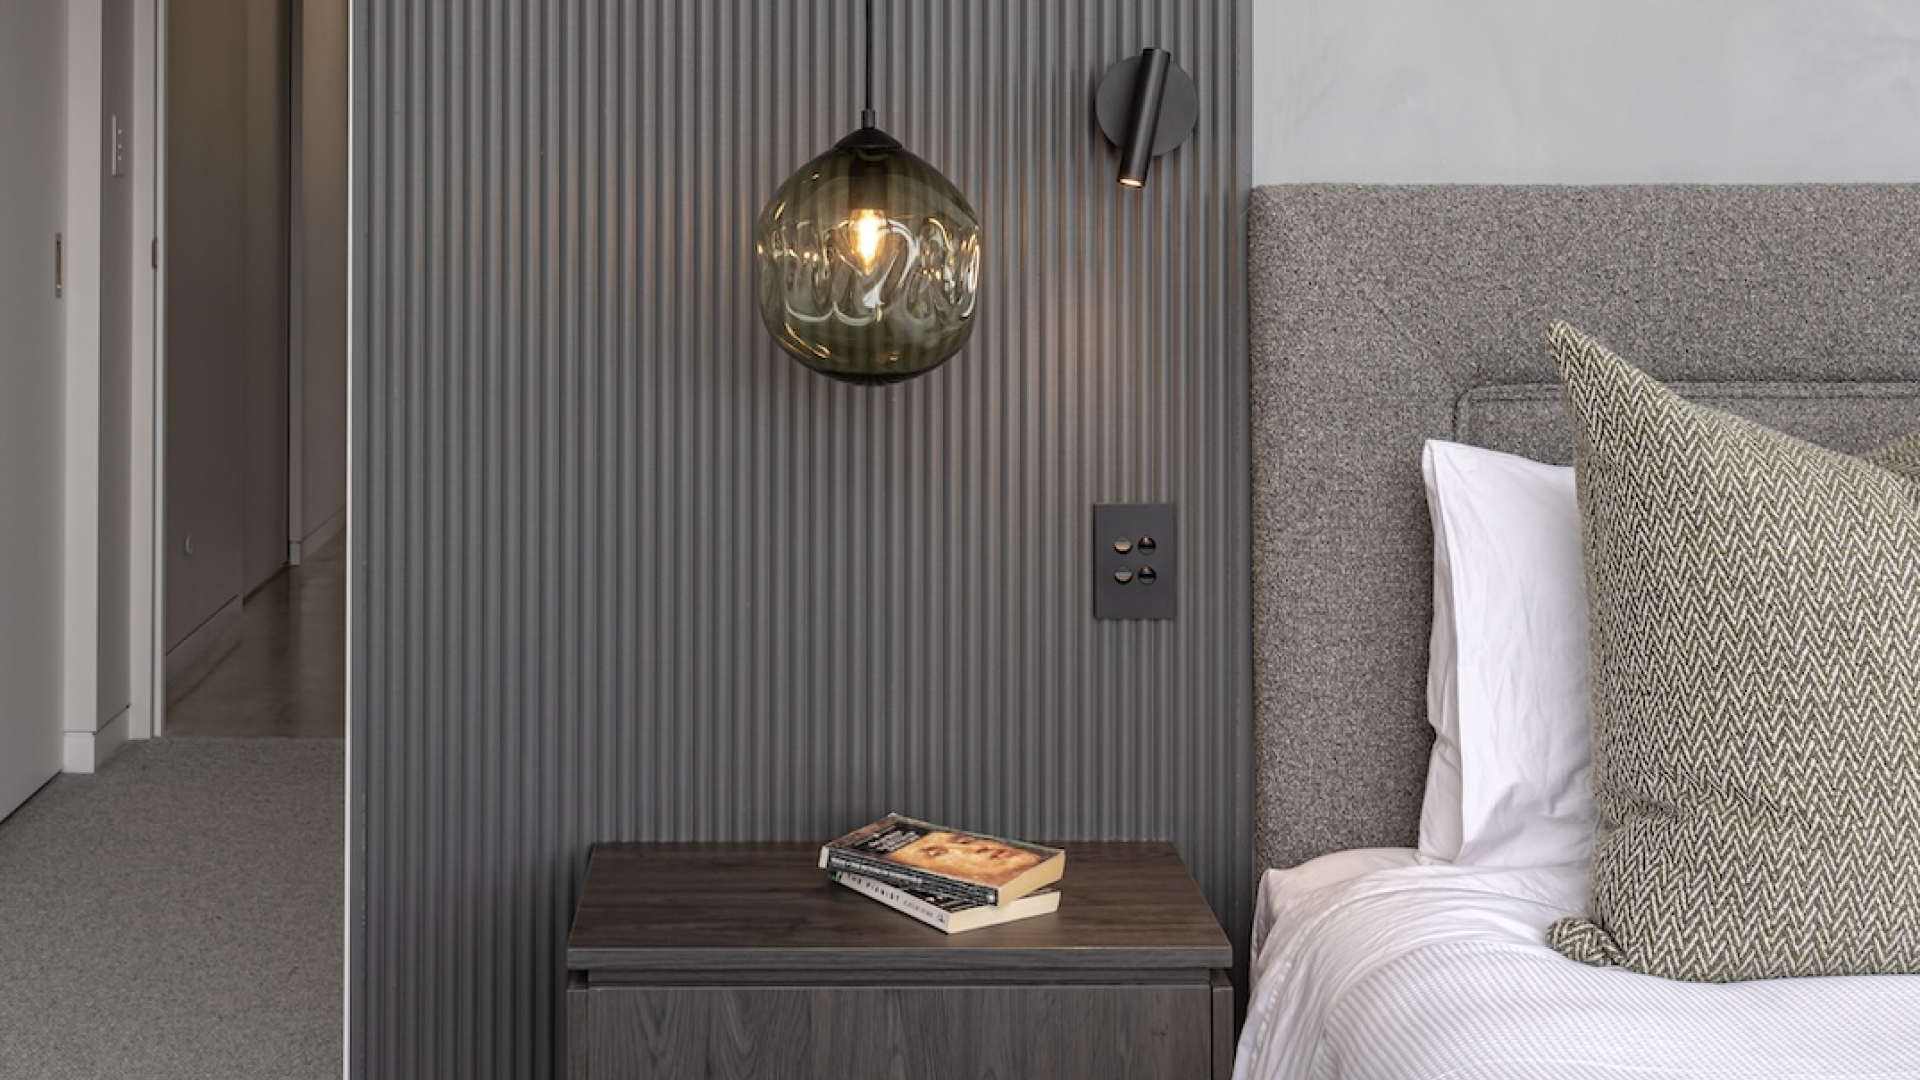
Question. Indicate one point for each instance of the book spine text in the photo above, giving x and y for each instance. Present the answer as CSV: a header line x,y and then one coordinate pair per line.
x,y
896,898
909,877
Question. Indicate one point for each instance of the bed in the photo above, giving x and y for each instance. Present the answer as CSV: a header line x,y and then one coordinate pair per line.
x,y
1385,317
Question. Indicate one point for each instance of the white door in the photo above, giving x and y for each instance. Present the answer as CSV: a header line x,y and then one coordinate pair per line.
x,y
32,148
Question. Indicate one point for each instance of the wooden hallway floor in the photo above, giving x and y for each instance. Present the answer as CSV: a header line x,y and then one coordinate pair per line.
x,y
282,673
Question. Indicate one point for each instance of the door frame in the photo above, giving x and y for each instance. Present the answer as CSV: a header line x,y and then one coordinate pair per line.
x,y
80,424
89,737
146,588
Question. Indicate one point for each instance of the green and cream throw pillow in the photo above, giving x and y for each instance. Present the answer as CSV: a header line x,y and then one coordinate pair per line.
x,y
1754,611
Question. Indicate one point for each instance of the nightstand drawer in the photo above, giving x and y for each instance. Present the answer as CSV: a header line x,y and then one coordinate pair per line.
x,y
924,1032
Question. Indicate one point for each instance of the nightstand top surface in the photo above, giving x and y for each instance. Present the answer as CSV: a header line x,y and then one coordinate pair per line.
x,y
715,907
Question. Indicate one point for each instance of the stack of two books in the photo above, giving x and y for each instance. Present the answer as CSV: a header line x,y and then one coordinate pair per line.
x,y
948,879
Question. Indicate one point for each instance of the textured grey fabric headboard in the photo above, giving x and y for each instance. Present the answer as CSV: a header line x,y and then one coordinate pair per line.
x,y
1382,316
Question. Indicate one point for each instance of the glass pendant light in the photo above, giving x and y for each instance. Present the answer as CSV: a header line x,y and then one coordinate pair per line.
x,y
869,259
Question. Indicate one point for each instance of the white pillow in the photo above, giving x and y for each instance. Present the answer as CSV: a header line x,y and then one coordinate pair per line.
x,y
1509,782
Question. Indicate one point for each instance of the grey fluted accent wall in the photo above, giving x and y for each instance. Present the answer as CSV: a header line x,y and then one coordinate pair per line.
x,y
621,571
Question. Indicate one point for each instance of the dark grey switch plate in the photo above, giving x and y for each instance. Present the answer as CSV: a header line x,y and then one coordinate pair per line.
x,y
1136,561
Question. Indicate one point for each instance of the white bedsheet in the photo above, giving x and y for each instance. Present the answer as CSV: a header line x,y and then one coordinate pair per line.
x,y
1369,966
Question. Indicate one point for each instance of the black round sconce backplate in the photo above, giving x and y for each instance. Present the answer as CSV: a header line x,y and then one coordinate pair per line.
x,y
1179,105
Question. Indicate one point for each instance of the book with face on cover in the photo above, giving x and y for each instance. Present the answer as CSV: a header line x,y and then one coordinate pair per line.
x,y
916,854
944,912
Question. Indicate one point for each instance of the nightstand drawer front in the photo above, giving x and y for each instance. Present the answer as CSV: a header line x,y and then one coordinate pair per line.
x,y
926,1033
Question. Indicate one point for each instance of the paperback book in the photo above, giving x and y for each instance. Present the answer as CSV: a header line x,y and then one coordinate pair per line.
x,y
947,914
914,854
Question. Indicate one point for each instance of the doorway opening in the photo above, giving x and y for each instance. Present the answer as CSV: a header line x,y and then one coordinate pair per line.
x,y
251,543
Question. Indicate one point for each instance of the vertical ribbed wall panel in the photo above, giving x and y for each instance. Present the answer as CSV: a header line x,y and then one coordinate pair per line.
x,y
622,571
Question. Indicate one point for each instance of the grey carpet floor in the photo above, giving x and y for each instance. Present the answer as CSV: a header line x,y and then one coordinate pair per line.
x,y
177,915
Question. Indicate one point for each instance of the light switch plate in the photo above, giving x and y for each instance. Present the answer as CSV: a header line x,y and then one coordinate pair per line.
x,y
1136,566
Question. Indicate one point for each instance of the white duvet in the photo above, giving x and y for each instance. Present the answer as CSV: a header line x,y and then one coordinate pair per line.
x,y
1368,966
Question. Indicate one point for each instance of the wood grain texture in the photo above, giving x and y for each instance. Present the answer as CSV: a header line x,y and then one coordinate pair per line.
x,y
707,909
579,1030
928,1033
1223,1026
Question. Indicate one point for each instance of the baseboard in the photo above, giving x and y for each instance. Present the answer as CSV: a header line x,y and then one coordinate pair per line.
x,y
86,751
190,659
315,540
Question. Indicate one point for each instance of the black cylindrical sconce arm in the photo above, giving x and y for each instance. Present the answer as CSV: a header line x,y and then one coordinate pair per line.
x,y
1146,105
1149,85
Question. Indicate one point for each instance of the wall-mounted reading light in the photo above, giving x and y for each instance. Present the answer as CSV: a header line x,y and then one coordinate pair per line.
x,y
869,259
1147,106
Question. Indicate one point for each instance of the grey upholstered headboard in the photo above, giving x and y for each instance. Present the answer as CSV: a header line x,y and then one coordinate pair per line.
x,y
1382,316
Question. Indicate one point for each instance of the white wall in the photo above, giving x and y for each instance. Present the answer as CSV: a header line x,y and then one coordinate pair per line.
x,y
269,146
1586,91
206,257
226,310
323,271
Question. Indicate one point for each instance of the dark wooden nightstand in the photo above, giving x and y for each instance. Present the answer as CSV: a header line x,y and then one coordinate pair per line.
x,y
743,960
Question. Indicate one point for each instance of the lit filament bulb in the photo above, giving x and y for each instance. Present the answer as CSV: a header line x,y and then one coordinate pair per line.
x,y
868,228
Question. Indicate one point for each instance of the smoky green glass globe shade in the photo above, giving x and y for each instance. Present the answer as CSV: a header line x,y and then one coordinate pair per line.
x,y
869,263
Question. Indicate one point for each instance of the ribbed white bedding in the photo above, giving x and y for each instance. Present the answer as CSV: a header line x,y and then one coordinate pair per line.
x,y
1368,966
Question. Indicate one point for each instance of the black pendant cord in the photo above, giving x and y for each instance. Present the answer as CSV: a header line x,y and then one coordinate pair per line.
x,y
866,114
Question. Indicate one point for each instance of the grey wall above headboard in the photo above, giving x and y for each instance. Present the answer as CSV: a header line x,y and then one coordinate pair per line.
x,y
1376,312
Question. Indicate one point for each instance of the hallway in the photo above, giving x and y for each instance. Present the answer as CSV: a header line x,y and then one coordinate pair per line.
x,y
282,674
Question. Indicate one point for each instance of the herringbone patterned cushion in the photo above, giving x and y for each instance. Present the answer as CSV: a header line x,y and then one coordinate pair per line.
x,y
1755,629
